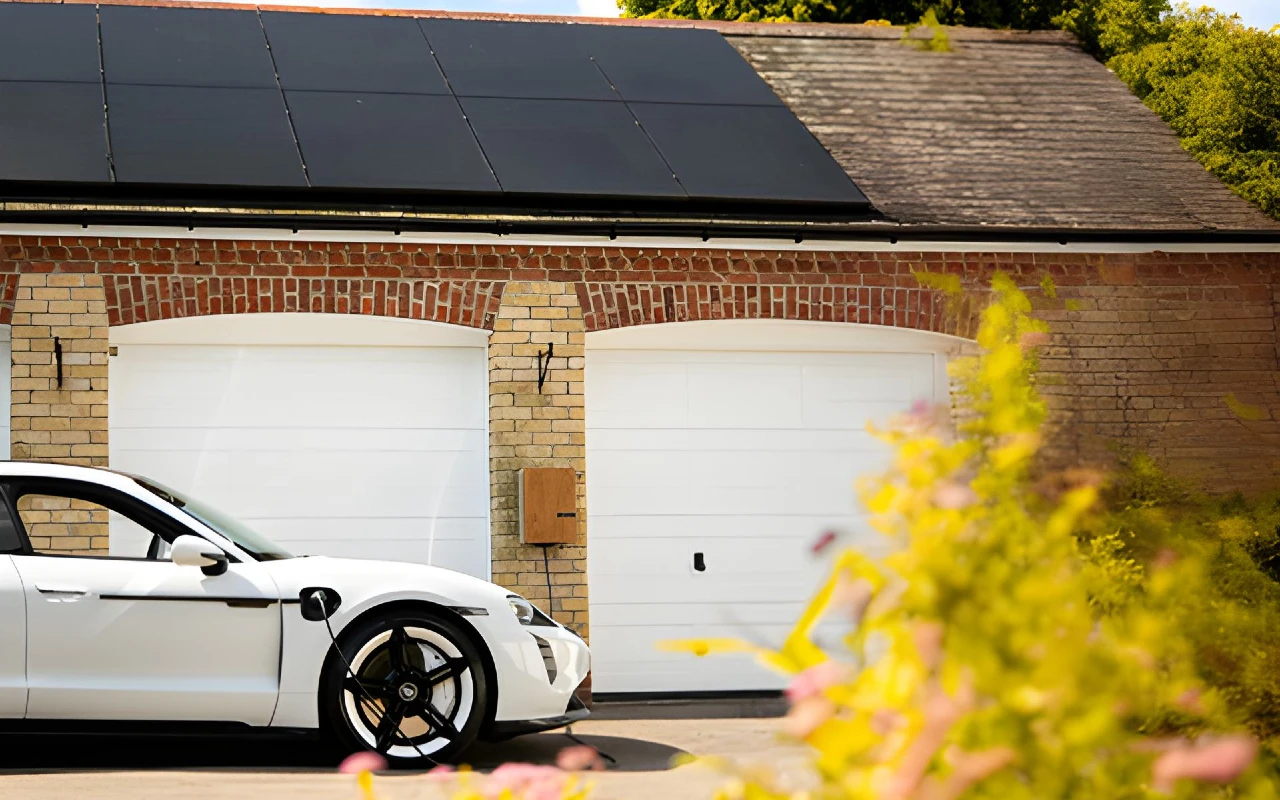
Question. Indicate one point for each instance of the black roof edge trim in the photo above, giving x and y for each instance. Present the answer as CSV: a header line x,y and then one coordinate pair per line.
x,y
697,229
354,201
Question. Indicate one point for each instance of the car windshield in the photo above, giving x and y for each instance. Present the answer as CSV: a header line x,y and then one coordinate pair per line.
x,y
257,545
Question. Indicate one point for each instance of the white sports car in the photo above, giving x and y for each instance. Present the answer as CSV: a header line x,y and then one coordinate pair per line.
x,y
209,622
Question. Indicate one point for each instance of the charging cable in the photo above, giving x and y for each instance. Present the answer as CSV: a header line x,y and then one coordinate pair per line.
x,y
320,597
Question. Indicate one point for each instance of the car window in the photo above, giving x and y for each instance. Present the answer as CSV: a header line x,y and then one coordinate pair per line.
x,y
71,519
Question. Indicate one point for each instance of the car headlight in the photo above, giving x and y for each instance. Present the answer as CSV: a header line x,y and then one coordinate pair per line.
x,y
522,608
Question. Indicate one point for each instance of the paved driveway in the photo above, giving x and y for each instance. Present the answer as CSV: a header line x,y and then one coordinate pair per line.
x,y
66,768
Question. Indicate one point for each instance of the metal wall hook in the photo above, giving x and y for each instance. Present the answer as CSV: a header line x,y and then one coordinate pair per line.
x,y
57,358
544,366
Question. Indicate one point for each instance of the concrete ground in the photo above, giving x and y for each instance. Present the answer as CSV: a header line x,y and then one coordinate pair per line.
x,y
88,768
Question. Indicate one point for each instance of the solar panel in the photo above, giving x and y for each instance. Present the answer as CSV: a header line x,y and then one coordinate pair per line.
x,y
52,132
208,136
47,42
327,52
568,147
386,141
745,153
517,59
675,65
184,47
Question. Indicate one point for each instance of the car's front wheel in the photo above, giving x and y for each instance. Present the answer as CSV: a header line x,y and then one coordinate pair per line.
x,y
412,687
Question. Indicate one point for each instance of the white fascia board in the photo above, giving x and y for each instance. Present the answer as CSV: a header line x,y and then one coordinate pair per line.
x,y
878,245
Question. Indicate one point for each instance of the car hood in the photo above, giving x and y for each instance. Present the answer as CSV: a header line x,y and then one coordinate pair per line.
x,y
361,578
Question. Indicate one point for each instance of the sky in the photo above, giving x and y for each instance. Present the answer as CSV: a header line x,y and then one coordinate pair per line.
x,y
1259,13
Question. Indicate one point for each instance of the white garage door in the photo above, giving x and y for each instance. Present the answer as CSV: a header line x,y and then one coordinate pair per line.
x,y
334,435
731,447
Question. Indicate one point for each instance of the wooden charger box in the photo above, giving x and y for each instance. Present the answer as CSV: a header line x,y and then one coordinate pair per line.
x,y
548,505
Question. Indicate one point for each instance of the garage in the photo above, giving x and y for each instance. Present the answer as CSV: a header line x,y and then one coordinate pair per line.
x,y
334,435
717,453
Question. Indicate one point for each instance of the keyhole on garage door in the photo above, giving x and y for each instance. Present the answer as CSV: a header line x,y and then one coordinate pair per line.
x,y
698,564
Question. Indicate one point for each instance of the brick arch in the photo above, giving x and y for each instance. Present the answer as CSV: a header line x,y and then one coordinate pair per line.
x,y
619,305
146,298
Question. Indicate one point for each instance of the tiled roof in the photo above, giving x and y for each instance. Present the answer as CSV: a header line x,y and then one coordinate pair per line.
x,y
1007,129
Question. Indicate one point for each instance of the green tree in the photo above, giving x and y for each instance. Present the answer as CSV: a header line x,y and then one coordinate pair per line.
x,y
1217,83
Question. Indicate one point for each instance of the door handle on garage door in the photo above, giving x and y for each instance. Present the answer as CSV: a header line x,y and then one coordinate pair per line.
x,y
699,565
64,592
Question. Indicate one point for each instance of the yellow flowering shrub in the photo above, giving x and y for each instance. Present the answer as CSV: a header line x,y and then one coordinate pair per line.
x,y
994,654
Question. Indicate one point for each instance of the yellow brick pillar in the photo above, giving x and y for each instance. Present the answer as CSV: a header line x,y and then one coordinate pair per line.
x,y
532,428
64,313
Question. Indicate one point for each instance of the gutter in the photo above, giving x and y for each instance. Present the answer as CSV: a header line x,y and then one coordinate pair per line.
x,y
17,216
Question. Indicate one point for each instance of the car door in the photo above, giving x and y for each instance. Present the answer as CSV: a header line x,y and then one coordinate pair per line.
x,y
13,638
131,638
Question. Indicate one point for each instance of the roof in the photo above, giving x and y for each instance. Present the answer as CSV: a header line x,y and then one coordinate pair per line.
x,y
1009,131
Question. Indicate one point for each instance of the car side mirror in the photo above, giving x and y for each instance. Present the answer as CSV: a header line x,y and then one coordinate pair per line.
x,y
192,551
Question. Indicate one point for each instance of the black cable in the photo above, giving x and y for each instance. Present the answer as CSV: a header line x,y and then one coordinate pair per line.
x,y
324,614
546,568
568,731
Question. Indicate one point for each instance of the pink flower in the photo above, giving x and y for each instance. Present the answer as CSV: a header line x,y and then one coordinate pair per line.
x,y
357,763
1212,760
807,715
815,679
442,772
952,496
822,543
528,781
578,758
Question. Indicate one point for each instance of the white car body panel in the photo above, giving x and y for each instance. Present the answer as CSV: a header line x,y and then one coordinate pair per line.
x,y
199,660
13,642
522,678
93,655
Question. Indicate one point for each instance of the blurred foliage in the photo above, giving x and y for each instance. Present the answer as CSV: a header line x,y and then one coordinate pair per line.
x,y
1018,642
1233,621
1215,80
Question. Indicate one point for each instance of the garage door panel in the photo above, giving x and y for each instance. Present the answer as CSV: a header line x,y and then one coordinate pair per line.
x,y
694,440
370,451
746,457
647,615
803,528
737,483
380,386
310,483
460,556
650,669
749,571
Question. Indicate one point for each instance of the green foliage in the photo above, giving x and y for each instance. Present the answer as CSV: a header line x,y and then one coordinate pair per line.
x,y
1016,644
1231,623
1217,83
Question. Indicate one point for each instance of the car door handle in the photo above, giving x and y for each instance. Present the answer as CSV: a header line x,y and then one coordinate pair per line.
x,y
54,589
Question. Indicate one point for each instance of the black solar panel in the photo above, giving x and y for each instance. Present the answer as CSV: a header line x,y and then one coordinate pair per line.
x,y
517,59
387,141
185,47
47,42
327,52
205,136
285,106
52,132
579,147
675,66
768,156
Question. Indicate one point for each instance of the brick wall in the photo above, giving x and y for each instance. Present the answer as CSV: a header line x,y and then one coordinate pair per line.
x,y
1155,351
529,427
50,421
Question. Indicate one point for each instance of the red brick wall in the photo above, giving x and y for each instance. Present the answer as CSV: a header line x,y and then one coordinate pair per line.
x,y
1146,351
